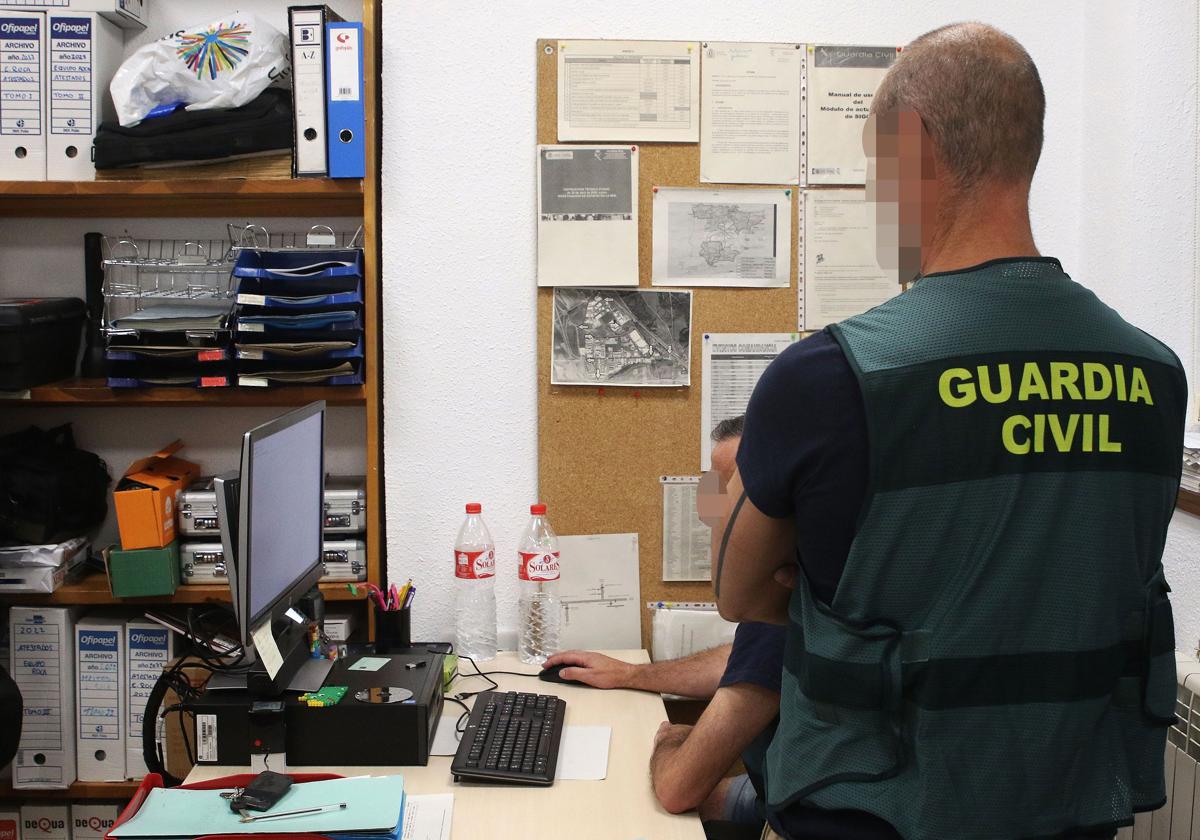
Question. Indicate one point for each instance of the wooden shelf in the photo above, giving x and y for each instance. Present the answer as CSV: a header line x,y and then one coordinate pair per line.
x,y
93,392
223,198
78,790
93,589
1188,501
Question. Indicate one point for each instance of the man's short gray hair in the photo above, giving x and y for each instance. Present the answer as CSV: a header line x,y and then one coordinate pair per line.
x,y
980,98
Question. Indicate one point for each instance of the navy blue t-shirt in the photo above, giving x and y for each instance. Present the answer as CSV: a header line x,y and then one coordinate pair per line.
x,y
803,456
757,658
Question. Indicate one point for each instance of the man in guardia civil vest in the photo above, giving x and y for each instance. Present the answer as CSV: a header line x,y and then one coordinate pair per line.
x,y
957,503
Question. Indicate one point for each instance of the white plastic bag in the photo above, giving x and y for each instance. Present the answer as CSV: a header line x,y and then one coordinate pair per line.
x,y
223,64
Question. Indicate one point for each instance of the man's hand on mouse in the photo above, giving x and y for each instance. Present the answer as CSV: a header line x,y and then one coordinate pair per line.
x,y
595,669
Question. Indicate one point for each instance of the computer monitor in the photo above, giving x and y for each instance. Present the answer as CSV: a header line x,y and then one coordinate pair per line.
x,y
280,516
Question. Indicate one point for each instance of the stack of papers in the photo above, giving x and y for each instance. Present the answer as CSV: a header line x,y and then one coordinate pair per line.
x,y
41,568
171,343
1191,462
299,317
374,811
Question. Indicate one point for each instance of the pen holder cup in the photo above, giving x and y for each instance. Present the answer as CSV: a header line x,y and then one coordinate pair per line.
x,y
393,630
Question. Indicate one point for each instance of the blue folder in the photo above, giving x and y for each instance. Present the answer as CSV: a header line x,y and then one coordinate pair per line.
x,y
299,264
344,98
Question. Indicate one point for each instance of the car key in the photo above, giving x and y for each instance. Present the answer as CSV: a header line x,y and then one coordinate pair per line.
x,y
262,793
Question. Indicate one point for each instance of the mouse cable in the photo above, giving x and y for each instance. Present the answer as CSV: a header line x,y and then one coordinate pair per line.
x,y
462,695
509,673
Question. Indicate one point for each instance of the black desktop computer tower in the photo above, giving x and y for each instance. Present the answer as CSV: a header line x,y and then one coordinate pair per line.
x,y
352,732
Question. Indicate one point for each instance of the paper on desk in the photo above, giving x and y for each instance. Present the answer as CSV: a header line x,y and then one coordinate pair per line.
x,y
582,752
268,650
445,740
599,592
428,816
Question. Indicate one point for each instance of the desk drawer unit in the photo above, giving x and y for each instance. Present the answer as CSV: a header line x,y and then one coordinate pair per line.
x,y
204,562
345,507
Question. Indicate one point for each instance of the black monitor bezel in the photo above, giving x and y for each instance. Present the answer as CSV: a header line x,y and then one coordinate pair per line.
x,y
307,579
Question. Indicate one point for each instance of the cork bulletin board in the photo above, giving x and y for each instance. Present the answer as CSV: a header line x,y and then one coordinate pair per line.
x,y
602,451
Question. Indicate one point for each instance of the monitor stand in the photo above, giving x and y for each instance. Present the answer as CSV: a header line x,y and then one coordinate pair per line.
x,y
291,637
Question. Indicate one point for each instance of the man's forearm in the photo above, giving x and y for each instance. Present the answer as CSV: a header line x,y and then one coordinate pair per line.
x,y
697,675
664,750
751,549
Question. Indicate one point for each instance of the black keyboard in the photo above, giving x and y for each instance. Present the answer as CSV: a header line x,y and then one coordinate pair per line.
x,y
511,737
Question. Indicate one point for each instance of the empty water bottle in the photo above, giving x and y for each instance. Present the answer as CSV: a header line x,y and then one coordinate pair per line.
x,y
538,606
475,574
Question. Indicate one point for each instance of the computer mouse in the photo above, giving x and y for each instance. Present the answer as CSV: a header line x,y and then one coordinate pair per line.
x,y
553,674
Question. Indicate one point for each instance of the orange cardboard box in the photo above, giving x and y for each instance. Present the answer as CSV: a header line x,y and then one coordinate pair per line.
x,y
146,497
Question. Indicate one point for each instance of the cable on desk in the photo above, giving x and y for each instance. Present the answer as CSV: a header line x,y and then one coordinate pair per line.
x,y
487,675
459,725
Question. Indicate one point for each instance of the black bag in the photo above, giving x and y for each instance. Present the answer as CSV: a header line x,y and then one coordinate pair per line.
x,y
263,124
50,491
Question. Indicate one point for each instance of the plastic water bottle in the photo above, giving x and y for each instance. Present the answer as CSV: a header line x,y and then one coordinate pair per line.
x,y
538,606
475,578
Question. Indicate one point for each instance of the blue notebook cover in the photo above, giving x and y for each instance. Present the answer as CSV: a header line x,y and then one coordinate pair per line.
x,y
375,807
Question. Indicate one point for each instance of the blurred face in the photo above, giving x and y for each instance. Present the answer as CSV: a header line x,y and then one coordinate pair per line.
x,y
902,183
712,500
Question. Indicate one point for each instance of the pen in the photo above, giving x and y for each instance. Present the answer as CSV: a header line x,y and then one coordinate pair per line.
x,y
393,599
409,598
299,812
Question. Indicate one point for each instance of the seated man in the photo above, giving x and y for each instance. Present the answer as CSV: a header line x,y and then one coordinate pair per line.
x,y
690,762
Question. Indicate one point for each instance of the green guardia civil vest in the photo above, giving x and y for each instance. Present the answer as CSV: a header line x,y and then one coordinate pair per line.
x,y
997,661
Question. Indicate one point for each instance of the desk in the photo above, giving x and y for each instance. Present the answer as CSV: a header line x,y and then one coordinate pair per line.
x,y
620,807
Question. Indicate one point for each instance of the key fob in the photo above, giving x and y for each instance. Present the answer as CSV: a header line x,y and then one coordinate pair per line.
x,y
262,793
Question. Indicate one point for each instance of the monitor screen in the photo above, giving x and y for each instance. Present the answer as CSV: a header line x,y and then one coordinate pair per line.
x,y
283,483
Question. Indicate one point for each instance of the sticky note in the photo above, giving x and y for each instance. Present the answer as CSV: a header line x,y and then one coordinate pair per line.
x,y
370,663
268,650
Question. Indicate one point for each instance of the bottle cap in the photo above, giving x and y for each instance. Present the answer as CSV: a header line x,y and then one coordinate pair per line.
x,y
537,510
474,507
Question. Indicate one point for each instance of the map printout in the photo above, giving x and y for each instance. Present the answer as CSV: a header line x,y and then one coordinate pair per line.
x,y
722,237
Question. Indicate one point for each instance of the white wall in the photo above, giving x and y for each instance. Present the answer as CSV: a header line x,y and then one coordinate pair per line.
x,y
1114,200
1138,229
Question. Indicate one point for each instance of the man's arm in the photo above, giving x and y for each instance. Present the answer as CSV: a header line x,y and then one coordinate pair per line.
x,y
752,549
697,675
688,762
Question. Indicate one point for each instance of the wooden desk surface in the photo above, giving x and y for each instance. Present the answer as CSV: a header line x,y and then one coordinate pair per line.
x,y
620,807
